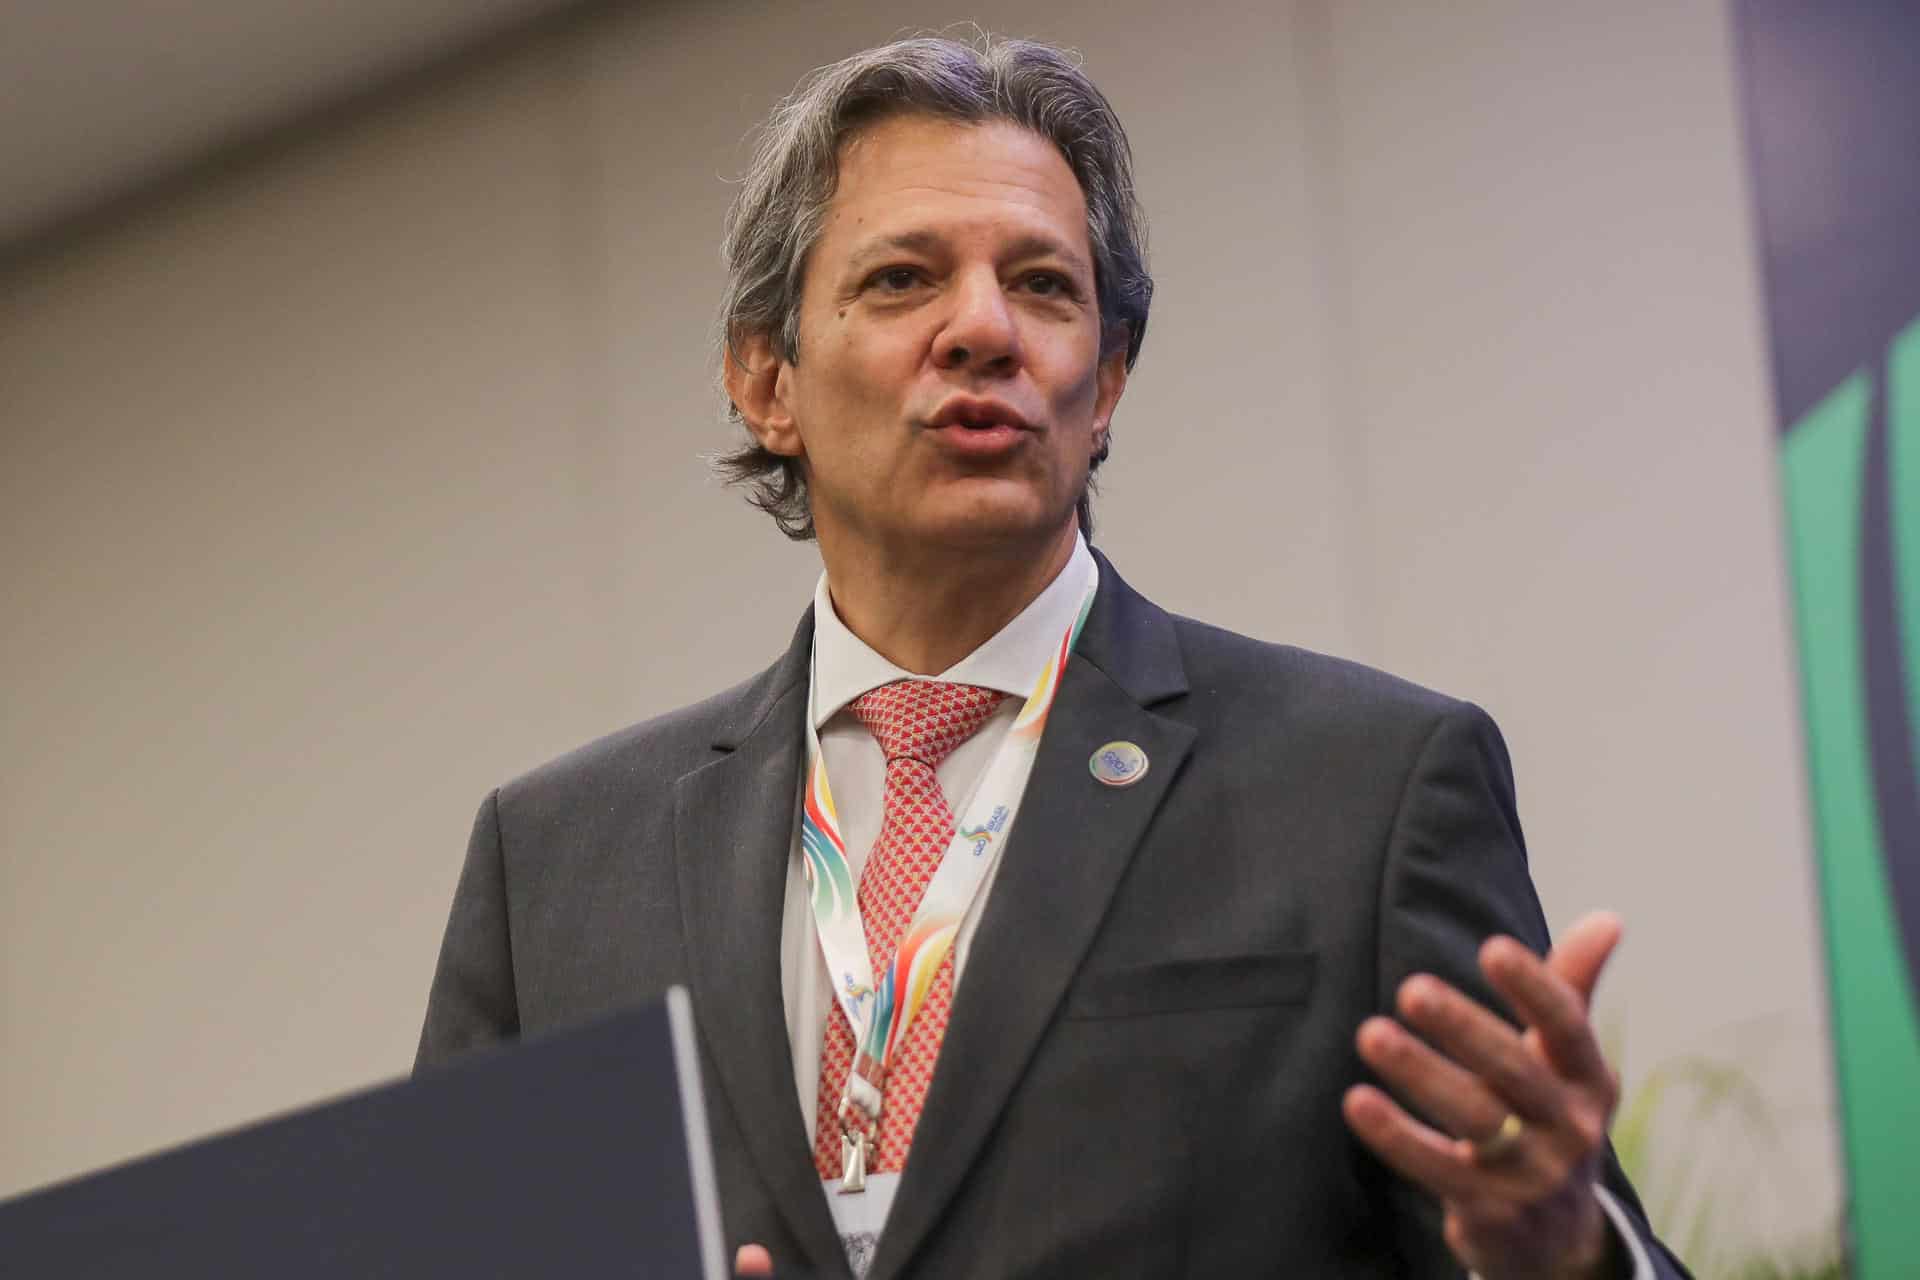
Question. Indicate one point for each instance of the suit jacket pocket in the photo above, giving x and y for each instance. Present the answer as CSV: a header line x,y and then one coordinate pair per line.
x,y
1179,986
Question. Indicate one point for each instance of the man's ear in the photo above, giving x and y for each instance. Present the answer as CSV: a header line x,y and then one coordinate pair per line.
x,y
1112,381
756,381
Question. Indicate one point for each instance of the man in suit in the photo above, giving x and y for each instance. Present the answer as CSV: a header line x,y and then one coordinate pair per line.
x,y
1146,912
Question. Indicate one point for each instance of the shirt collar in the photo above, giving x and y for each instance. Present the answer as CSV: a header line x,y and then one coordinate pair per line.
x,y
844,666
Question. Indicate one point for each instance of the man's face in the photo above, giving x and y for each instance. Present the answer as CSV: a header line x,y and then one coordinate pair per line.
x,y
950,387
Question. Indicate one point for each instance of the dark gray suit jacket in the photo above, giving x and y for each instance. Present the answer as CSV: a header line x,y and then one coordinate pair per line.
x,y
1143,1069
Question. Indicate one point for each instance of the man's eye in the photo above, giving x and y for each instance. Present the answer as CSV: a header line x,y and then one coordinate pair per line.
x,y
1049,284
896,279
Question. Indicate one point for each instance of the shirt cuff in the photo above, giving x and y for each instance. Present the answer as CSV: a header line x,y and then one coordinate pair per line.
x,y
1636,1247
1623,1226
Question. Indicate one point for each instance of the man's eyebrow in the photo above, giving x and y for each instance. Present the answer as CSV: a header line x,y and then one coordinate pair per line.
x,y
1031,245
899,242
1043,246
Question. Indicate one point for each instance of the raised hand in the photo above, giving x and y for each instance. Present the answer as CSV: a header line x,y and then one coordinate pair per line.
x,y
1521,1116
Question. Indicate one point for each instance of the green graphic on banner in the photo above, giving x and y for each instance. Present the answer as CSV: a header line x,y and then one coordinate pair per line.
x,y
1832,105
1826,459
1903,479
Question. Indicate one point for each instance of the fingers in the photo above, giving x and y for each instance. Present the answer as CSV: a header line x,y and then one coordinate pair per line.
x,y
1552,1006
1553,996
1482,1043
1442,1090
1409,1147
1583,950
752,1260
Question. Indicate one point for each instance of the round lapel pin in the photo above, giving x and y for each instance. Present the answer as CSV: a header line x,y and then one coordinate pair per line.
x,y
1119,764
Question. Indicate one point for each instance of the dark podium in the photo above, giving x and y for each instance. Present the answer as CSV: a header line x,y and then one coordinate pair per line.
x,y
581,1154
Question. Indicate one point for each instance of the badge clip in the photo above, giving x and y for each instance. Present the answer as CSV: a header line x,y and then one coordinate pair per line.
x,y
853,1161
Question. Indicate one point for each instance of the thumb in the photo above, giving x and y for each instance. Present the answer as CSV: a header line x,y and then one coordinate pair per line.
x,y
1583,950
752,1260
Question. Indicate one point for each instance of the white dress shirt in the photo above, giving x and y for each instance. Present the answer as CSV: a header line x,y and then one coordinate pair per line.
x,y
844,667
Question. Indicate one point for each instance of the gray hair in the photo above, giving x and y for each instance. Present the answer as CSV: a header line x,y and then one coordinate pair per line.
x,y
782,204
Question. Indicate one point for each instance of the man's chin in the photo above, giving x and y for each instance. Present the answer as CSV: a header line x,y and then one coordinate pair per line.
x,y
990,527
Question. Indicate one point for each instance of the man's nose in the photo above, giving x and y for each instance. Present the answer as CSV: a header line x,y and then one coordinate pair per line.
x,y
979,333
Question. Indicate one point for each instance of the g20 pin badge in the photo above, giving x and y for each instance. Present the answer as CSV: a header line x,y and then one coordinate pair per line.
x,y
1118,764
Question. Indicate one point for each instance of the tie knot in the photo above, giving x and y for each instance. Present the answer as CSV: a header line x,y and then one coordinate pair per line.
x,y
924,720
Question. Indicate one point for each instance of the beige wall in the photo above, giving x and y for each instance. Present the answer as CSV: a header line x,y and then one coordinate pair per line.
x,y
344,486
1553,373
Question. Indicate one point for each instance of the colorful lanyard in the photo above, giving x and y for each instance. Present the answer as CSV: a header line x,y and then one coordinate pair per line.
x,y
880,1015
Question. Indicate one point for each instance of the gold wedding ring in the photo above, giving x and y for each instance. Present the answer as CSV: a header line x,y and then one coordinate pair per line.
x,y
1501,1141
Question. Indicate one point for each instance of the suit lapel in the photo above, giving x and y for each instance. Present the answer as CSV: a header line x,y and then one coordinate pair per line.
x,y
733,829
1070,847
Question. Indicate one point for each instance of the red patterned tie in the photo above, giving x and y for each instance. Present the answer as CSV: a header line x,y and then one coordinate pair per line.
x,y
918,723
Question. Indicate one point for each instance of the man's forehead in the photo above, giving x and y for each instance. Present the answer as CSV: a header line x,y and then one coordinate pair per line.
x,y
901,149
909,182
